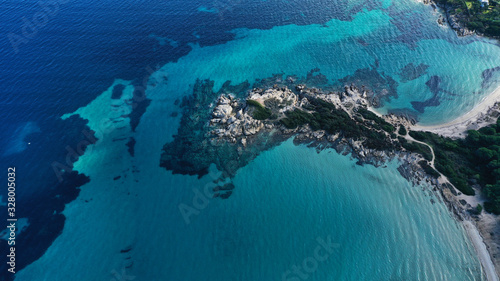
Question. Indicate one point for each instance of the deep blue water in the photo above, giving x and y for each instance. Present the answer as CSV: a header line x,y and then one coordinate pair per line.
x,y
84,46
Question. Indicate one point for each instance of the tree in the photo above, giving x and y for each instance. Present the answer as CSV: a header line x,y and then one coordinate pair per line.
x,y
485,154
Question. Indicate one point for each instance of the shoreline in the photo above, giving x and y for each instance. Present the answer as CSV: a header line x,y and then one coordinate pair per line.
x,y
241,125
480,230
482,114
481,250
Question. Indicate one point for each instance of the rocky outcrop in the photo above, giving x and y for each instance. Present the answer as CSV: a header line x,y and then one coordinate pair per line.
x,y
231,128
282,97
231,119
454,22
223,110
348,100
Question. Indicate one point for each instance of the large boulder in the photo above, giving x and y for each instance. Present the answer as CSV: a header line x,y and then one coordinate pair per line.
x,y
318,134
222,111
223,100
235,129
283,96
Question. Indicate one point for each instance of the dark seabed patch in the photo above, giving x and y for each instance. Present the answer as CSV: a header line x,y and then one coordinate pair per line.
x,y
381,87
412,26
317,79
46,188
140,104
117,91
490,76
131,146
46,184
411,72
434,86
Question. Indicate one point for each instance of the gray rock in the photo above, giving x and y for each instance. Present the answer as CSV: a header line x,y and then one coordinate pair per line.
x,y
222,111
223,100
318,134
239,114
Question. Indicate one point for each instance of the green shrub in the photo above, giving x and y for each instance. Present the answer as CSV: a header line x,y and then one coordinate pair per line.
x,y
428,169
296,118
327,117
417,148
380,123
402,131
259,111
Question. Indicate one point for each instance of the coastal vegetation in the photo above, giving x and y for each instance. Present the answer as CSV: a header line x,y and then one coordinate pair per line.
x,y
417,148
378,122
470,161
483,18
326,116
428,169
402,131
259,111
240,130
451,159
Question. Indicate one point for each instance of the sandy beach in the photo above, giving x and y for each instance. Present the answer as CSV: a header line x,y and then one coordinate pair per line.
x,y
479,231
483,114
481,251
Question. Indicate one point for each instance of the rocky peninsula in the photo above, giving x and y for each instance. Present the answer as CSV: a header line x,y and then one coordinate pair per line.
x,y
231,127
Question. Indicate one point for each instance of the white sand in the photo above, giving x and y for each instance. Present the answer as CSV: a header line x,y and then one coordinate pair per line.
x,y
474,119
470,120
482,252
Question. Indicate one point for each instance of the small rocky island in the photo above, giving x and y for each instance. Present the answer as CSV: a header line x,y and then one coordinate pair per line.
x,y
310,115
229,130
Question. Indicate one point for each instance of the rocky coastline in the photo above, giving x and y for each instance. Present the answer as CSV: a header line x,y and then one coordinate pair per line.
x,y
232,122
231,127
235,129
455,22
447,17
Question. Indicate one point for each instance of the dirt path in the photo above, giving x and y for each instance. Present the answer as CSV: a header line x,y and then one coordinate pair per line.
x,y
470,228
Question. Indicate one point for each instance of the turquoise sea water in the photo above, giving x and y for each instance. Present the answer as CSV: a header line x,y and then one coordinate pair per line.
x,y
335,49
290,197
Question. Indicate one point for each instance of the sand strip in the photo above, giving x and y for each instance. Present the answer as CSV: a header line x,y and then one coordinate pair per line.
x,y
482,252
473,119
